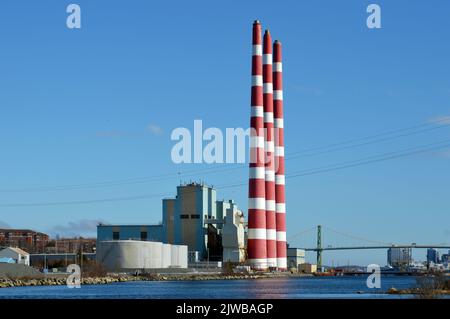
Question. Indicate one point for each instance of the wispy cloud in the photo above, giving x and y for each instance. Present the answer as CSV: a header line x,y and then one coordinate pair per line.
x,y
304,89
110,133
154,129
83,227
440,120
443,154
4,225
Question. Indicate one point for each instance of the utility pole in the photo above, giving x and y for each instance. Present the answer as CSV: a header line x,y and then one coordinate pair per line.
x,y
319,247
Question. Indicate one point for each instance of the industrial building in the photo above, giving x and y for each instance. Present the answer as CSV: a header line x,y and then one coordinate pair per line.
x,y
136,255
399,257
211,229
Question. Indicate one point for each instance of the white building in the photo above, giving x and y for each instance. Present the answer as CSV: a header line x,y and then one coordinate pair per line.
x,y
132,255
20,256
233,235
295,257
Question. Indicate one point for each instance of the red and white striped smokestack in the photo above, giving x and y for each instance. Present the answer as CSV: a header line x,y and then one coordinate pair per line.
x,y
269,148
256,242
279,156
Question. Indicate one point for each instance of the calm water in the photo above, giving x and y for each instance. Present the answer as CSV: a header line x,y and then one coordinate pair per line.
x,y
306,287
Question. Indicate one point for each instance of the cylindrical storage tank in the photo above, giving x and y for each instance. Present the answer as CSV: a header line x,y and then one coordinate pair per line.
x,y
166,260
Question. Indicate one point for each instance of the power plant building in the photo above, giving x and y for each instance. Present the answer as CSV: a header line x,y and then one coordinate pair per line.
x,y
214,230
184,217
211,230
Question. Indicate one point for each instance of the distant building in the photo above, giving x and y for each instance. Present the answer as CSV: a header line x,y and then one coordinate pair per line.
x,y
445,258
27,239
398,257
295,257
432,256
18,255
70,245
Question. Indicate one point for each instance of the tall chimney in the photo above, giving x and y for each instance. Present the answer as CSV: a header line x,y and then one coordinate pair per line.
x,y
256,243
279,157
269,149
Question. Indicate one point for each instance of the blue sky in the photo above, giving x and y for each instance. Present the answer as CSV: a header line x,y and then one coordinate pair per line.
x,y
83,107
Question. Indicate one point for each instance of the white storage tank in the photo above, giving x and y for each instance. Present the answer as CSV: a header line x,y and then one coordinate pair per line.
x,y
131,255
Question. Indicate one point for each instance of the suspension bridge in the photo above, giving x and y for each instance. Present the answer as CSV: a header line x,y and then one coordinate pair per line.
x,y
319,248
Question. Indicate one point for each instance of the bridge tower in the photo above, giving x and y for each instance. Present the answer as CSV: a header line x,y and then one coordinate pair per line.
x,y
319,247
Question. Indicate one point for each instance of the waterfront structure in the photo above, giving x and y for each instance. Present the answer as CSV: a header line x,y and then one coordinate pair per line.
x,y
307,268
18,255
136,255
295,257
26,239
432,256
399,257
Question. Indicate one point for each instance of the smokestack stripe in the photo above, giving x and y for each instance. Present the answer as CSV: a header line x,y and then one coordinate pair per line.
x,y
279,158
270,156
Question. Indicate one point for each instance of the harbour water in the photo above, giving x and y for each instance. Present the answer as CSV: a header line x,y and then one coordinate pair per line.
x,y
281,288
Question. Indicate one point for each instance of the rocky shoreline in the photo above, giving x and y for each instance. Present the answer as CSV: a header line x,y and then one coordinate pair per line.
x,y
61,280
